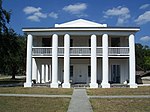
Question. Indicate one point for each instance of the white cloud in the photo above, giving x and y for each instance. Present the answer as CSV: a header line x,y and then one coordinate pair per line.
x,y
144,18
40,15
35,14
145,38
36,17
30,9
53,15
33,18
123,14
76,9
144,6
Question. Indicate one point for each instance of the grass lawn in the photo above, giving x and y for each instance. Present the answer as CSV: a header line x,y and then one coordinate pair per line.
x,y
120,105
30,104
120,91
36,90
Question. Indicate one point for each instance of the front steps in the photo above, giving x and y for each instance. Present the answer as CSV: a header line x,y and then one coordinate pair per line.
x,y
119,85
80,86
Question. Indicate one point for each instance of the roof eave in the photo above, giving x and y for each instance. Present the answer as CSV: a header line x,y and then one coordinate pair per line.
x,y
134,29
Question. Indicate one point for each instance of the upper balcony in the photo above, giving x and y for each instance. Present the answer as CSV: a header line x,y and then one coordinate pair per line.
x,y
79,51
80,46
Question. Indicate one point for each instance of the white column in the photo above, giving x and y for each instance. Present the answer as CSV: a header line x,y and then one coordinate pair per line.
x,y
54,83
46,73
66,83
132,62
38,74
93,83
34,69
43,73
105,83
29,62
50,73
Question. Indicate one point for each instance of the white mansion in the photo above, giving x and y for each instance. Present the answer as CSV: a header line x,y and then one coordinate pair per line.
x,y
81,52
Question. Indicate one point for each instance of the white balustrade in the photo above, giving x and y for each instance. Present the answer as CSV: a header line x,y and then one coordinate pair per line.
x,y
80,51
99,51
60,51
41,51
118,51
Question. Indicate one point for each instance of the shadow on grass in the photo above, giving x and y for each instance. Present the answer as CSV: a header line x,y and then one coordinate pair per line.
x,y
11,81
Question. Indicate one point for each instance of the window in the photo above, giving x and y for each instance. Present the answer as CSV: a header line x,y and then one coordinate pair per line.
x,y
46,42
89,42
71,71
71,42
115,42
89,71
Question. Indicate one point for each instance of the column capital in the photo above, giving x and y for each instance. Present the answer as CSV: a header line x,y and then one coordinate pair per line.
x,y
104,35
54,35
93,35
66,35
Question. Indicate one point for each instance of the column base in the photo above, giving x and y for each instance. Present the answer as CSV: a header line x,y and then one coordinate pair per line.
x,y
54,85
134,85
43,81
93,85
105,85
66,85
28,84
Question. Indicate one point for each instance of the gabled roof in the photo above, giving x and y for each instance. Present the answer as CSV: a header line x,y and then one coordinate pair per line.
x,y
80,23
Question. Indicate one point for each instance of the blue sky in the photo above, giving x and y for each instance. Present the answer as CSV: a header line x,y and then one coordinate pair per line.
x,y
45,13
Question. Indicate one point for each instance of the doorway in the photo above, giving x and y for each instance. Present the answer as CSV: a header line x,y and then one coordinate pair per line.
x,y
115,73
81,73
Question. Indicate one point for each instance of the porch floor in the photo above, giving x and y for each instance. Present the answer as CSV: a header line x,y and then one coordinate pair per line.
x,y
80,85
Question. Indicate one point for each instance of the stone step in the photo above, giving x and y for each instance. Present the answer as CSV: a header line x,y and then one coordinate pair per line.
x,y
41,85
119,85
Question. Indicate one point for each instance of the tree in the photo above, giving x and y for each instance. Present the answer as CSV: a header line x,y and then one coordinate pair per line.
x,y
12,47
142,57
139,56
12,54
4,19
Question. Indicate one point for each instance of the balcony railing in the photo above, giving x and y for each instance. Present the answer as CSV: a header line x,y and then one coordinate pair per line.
x,y
118,51
99,51
41,51
60,51
80,51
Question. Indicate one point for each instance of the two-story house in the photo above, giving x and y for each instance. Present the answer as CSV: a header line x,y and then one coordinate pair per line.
x,y
81,52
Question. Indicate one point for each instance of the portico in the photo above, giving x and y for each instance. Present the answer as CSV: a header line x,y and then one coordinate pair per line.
x,y
80,52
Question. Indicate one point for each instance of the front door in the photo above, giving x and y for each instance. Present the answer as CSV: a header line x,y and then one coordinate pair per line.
x,y
81,73
115,73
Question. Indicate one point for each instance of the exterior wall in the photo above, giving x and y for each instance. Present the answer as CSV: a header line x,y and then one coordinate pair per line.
x,y
37,42
80,41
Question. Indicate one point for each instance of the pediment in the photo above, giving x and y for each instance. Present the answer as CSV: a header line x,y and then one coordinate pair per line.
x,y
80,23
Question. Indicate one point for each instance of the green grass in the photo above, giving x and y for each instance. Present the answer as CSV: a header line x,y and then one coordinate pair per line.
x,y
120,105
36,90
119,91
30,104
